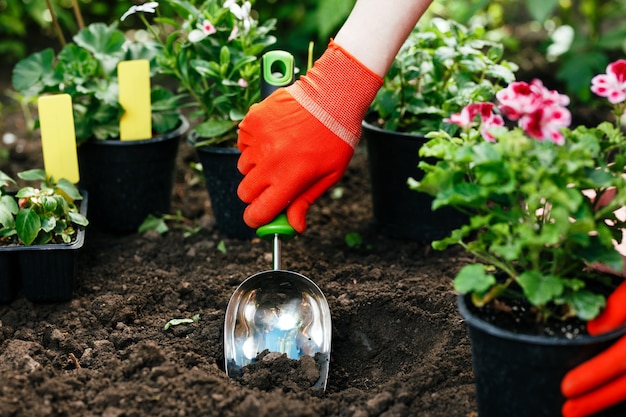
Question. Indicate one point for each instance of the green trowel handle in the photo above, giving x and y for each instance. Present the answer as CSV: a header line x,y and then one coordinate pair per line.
x,y
277,70
279,226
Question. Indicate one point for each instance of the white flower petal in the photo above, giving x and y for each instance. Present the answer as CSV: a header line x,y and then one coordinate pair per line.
x,y
196,35
132,10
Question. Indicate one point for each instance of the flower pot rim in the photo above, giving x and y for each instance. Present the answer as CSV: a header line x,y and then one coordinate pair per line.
x,y
75,244
494,330
180,130
366,124
218,148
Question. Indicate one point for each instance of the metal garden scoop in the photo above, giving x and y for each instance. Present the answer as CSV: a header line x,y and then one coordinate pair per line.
x,y
277,310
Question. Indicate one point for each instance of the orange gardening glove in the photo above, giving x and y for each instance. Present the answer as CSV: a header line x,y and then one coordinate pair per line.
x,y
298,142
600,382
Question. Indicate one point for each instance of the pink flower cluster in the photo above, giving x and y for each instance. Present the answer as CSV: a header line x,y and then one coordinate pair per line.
x,y
488,118
540,112
611,85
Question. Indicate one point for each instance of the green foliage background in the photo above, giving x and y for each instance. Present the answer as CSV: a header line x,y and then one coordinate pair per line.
x,y
600,27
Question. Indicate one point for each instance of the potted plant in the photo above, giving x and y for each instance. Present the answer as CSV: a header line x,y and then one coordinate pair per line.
x,y
535,230
127,180
212,49
41,231
442,67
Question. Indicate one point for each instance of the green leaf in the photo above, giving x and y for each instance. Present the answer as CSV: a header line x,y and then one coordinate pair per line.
x,y
176,322
540,289
206,68
48,223
105,42
541,9
33,175
6,215
48,204
32,74
77,218
8,203
5,180
153,223
69,189
27,192
330,14
27,224
353,240
473,278
214,128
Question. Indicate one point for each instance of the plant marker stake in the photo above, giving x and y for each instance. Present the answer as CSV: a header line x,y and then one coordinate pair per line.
x,y
134,96
58,137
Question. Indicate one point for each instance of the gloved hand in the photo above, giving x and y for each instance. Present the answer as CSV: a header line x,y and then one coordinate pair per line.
x,y
600,382
298,142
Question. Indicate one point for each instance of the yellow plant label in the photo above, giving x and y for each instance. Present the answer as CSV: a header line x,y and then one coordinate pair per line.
x,y
58,137
134,96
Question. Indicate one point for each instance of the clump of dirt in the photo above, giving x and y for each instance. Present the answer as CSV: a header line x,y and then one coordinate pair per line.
x,y
273,370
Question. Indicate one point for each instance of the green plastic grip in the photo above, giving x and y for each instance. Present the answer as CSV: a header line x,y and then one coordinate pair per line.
x,y
277,70
279,226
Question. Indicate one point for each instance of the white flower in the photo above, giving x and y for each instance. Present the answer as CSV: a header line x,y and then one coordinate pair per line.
x,y
149,7
233,33
241,12
205,29
242,83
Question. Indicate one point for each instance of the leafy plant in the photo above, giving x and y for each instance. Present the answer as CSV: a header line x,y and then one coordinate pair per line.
x,y
87,71
442,67
212,49
47,214
541,198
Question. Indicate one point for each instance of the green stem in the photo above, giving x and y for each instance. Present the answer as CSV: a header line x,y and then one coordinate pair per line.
x,y
78,15
55,22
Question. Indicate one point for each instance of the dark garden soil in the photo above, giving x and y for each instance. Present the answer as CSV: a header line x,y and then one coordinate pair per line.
x,y
399,346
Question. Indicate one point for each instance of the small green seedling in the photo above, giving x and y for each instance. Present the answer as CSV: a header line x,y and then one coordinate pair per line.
x,y
178,322
160,224
353,240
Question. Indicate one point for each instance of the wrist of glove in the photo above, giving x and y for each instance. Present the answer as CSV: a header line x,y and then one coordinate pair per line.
x,y
298,142
600,382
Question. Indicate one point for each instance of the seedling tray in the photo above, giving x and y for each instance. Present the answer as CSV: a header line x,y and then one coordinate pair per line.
x,y
43,272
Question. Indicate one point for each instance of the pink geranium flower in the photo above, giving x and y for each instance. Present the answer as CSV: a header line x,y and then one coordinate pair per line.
x,y
468,114
540,112
611,85
546,124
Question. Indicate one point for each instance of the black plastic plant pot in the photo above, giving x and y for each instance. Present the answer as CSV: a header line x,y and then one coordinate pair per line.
x,y
399,211
45,273
219,165
129,180
9,279
518,375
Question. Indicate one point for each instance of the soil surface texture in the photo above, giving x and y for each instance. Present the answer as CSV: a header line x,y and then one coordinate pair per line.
x,y
399,346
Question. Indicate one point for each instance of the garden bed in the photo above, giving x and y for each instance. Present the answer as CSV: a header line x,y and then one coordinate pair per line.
x,y
399,346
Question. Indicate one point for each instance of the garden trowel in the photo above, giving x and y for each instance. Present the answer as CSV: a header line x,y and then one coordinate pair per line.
x,y
277,310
